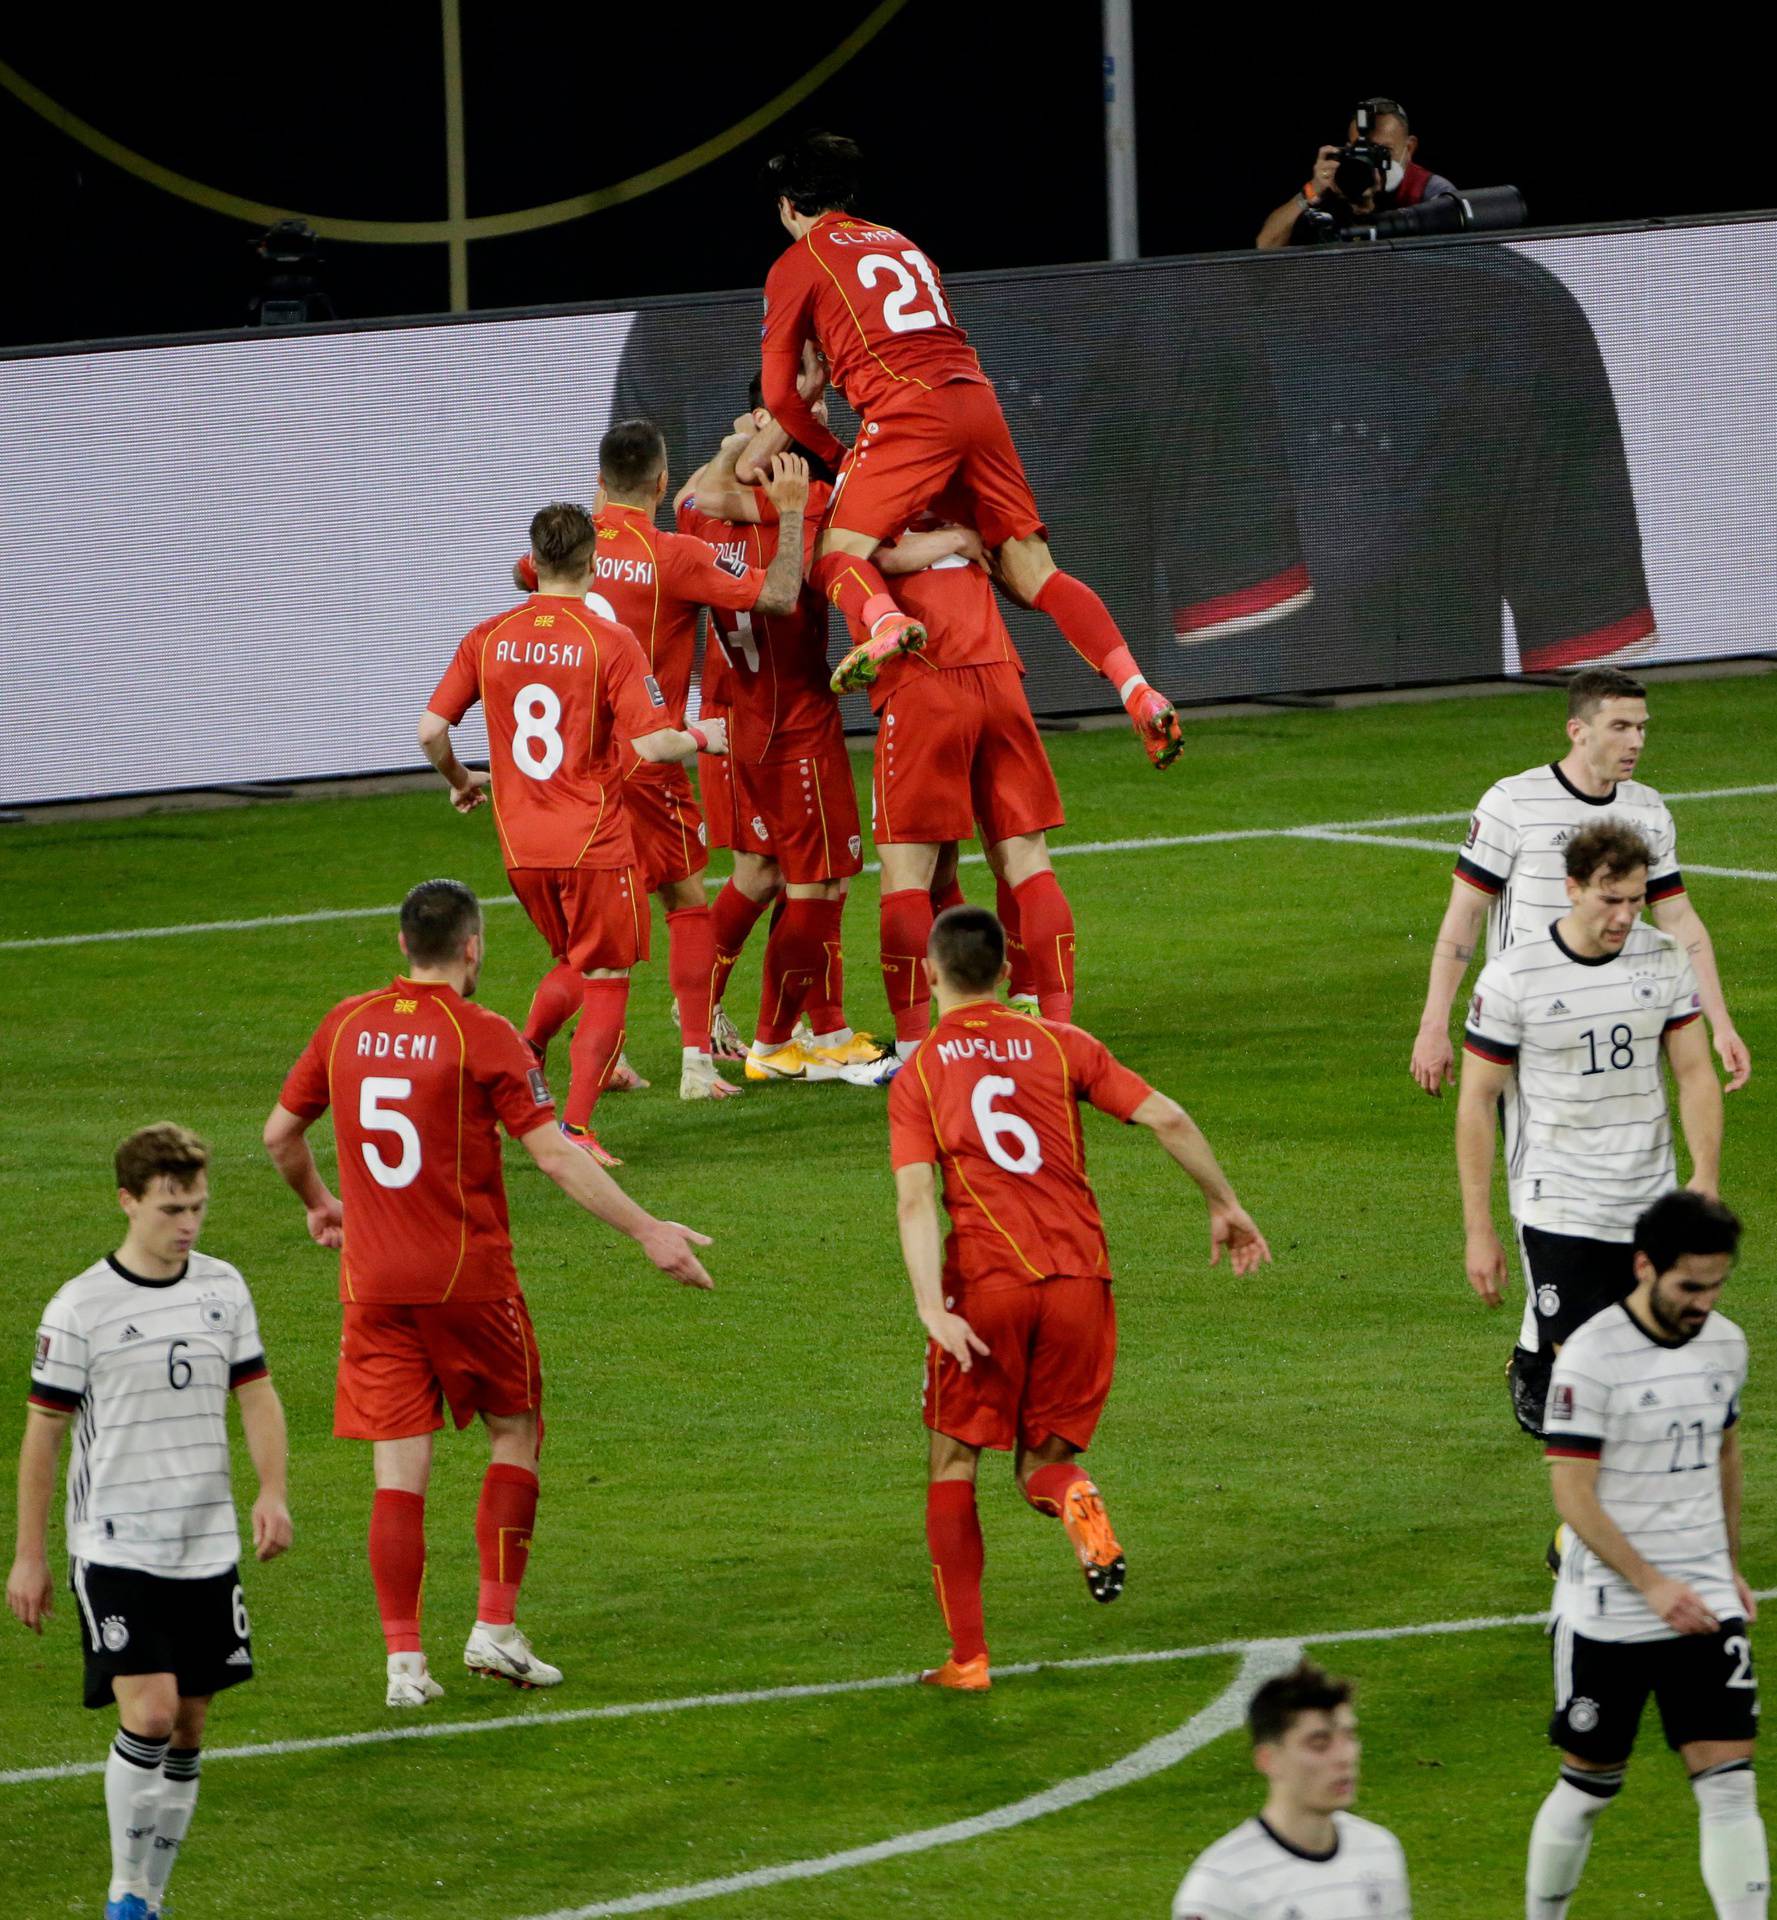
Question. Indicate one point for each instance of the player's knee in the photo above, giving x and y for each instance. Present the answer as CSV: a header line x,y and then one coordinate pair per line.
x,y
1592,1789
1727,1794
1026,564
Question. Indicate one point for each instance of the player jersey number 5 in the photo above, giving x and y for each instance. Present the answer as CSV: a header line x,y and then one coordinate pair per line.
x,y
900,313
1010,1142
375,1117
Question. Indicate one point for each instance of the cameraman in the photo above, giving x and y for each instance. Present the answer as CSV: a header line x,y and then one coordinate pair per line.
x,y
1322,207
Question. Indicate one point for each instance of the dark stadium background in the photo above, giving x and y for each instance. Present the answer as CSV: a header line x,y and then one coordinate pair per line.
x,y
984,127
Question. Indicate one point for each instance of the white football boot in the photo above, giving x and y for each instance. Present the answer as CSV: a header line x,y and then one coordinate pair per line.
x,y
410,1685
503,1653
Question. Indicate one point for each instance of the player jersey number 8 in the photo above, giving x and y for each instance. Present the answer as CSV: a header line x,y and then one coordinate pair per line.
x,y
374,1117
537,747
1002,1131
899,313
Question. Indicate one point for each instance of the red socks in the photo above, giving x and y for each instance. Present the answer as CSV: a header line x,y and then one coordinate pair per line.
x,y
398,1564
826,998
1086,625
1046,929
794,963
554,1004
855,588
1046,1489
953,1533
1023,981
732,919
906,923
503,1524
690,966
597,1042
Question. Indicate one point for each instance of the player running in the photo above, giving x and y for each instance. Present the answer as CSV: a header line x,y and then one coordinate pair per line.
x,y
956,744
932,430
141,1353
1018,1304
655,583
1644,1454
1307,1854
1510,873
1571,1027
420,1081
567,694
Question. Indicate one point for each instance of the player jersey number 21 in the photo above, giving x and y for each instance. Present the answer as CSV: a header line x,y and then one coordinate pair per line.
x,y
900,314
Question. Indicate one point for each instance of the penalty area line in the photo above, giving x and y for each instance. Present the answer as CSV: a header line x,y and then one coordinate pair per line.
x,y
1355,832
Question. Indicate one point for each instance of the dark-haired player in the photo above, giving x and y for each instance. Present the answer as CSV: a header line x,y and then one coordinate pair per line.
x,y
1017,1306
1574,1025
1644,1454
568,699
421,1080
1305,1854
932,430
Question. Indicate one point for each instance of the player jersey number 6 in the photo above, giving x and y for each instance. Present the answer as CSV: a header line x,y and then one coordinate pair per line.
x,y
899,313
374,1117
1001,1132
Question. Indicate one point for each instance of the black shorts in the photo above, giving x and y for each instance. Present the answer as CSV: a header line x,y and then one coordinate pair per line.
x,y
1569,1279
135,1622
1703,1682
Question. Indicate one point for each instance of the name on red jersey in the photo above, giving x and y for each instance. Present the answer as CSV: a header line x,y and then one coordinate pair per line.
x,y
640,572
1002,1052
846,235
539,653
396,1046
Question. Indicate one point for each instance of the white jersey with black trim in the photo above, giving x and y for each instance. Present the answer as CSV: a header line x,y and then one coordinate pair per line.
x,y
1516,849
1589,1134
1253,1874
1652,1413
146,1367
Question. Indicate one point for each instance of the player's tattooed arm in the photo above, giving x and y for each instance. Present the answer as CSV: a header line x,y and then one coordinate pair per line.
x,y
1230,1225
1675,915
268,1444
1433,1063
30,1587
914,552
468,785
787,490
1575,1487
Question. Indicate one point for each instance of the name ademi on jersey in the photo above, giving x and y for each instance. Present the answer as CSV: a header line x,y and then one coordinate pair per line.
x,y
1516,849
146,1369
1588,1126
1250,1874
1653,1417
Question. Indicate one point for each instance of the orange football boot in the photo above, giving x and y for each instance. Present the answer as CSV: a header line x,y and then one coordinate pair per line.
x,y
1089,1528
894,633
1156,726
962,1676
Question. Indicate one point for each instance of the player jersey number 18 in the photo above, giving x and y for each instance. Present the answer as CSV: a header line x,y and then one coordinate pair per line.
x,y
1001,1132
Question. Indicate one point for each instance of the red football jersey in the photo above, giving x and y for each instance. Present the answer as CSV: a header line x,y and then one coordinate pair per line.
x,y
420,1080
653,583
565,692
956,604
878,310
990,1098
772,673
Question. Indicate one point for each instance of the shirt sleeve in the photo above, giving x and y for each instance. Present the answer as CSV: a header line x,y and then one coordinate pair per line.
x,y
1490,848
1204,1895
59,1365
1686,1004
246,1362
1099,1076
789,321
1579,1405
460,688
306,1093
913,1139
1664,880
1495,1028
514,1084
695,571
638,707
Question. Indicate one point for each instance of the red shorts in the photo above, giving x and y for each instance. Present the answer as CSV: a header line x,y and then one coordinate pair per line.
x,y
590,916
952,441
1052,1349
399,1367
664,817
955,747
715,794
803,813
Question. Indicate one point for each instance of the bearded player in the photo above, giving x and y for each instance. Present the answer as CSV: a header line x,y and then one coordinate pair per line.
x,y
1017,1305
932,429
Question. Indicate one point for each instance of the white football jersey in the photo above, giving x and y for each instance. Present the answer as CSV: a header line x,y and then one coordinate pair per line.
x,y
1589,1128
1250,1874
146,1368
1652,1414
1516,850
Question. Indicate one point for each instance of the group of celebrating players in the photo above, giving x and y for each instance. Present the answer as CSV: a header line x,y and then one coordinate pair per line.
x,y
587,689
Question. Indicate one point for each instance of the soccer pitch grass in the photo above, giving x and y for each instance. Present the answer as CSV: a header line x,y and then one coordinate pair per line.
x,y
733,1482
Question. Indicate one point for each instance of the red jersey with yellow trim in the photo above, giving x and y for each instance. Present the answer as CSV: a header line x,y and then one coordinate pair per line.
x,y
565,692
991,1097
653,583
955,602
772,673
877,307
420,1080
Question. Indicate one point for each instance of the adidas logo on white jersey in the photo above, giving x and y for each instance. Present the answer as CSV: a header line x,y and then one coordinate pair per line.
x,y
1649,1399
239,1658
1560,1006
132,1333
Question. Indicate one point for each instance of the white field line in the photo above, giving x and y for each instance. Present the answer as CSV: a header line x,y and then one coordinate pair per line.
x,y
1224,1713
1356,831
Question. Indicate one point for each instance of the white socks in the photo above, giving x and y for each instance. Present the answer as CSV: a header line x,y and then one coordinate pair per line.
x,y
1561,1838
178,1801
132,1799
1736,1866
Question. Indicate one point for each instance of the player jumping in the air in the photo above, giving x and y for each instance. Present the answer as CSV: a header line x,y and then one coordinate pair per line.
x,y
140,1354
1017,1305
420,1081
932,435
